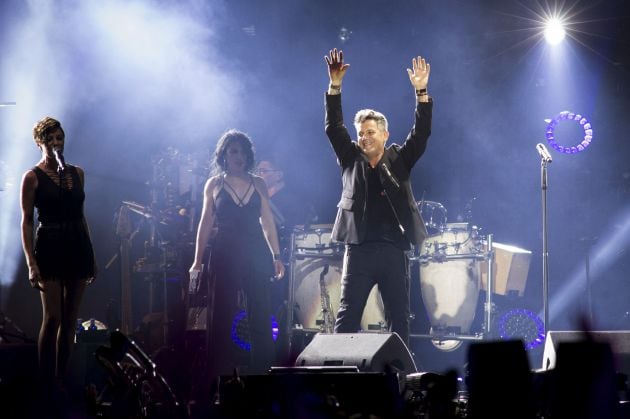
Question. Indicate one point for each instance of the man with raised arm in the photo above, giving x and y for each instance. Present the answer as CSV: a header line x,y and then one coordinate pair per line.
x,y
377,217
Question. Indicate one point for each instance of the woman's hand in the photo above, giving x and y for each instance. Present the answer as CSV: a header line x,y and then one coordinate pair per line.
x,y
194,271
34,276
93,277
195,278
279,267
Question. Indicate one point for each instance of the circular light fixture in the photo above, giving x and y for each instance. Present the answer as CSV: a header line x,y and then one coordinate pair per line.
x,y
569,116
238,334
240,330
523,324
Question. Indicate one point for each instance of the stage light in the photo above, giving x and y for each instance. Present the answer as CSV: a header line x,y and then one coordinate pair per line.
x,y
240,330
522,324
569,116
554,31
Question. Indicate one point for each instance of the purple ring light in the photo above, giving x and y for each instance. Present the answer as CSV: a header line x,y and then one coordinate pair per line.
x,y
569,116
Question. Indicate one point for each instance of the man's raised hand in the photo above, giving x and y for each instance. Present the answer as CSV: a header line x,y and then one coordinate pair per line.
x,y
419,75
336,67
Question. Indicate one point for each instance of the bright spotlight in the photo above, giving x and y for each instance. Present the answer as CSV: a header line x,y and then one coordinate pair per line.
x,y
554,31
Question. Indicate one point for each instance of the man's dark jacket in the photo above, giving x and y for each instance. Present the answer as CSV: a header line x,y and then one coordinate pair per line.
x,y
394,170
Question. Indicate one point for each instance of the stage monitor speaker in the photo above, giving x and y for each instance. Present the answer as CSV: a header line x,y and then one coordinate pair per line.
x,y
619,342
510,269
370,352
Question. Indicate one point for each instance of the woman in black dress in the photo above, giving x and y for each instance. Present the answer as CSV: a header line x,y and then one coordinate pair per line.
x,y
237,222
60,259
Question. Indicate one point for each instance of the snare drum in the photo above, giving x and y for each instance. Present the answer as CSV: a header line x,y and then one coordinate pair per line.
x,y
449,280
317,281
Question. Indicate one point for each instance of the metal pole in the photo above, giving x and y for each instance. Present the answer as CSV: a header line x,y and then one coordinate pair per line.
x,y
589,294
291,294
488,311
545,252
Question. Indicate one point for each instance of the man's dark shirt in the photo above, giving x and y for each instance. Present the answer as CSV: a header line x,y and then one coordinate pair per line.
x,y
381,224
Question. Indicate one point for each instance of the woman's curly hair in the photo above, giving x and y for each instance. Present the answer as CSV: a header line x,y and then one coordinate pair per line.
x,y
43,127
230,137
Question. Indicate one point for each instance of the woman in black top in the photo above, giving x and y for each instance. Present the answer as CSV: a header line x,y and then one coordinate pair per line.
x,y
237,222
60,259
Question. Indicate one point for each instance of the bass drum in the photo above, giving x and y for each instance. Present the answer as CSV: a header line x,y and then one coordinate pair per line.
x,y
450,273
317,282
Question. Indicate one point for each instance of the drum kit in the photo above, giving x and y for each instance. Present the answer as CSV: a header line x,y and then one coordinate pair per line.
x,y
170,223
451,262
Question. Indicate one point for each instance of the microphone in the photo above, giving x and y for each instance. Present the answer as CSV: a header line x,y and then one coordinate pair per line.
x,y
61,163
543,152
390,176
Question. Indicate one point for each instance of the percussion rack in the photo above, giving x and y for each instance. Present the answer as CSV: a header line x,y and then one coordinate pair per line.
x,y
488,256
300,253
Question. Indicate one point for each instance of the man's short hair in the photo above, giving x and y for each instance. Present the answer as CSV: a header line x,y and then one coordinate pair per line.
x,y
367,114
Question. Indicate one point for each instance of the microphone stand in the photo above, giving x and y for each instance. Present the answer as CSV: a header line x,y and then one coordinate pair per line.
x,y
545,251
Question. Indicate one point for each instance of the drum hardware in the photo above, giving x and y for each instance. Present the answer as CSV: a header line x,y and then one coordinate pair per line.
x,y
327,312
302,254
125,233
441,339
442,258
449,342
160,259
433,214
489,305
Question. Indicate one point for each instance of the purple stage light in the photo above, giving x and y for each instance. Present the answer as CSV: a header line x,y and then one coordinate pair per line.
x,y
275,329
523,324
237,335
571,116
240,332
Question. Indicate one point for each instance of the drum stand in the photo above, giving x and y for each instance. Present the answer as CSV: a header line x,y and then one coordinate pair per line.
x,y
489,286
291,297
